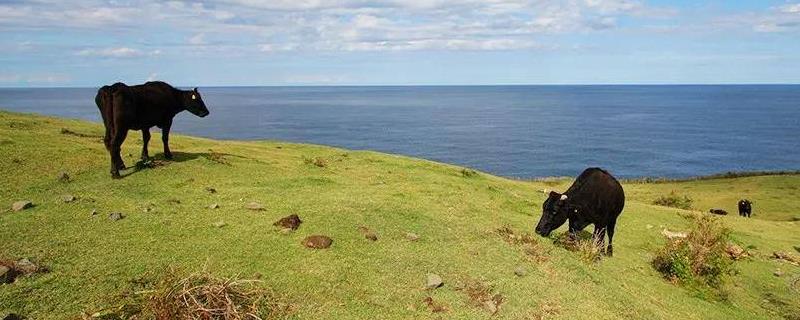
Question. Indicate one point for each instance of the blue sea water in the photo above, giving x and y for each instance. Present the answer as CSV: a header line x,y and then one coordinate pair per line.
x,y
514,131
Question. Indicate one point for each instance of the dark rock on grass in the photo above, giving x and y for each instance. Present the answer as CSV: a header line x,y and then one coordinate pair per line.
x,y
7,274
255,206
94,212
317,242
211,190
412,236
434,306
21,205
67,198
433,281
291,222
13,316
63,176
115,216
213,206
369,234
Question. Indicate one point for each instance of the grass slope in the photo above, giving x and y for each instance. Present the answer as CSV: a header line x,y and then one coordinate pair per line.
x,y
92,259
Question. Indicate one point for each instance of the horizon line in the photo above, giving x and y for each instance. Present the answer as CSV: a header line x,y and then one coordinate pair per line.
x,y
432,85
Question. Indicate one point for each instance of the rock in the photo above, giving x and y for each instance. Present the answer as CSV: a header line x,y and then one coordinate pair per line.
x,y
410,236
290,222
219,224
520,272
63,176
147,209
21,205
433,281
785,256
673,235
211,190
26,266
317,242
649,226
213,206
255,206
7,274
13,316
490,306
67,198
735,252
778,273
115,216
369,234
94,212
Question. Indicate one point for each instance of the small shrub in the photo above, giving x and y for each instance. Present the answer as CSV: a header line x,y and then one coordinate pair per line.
x,y
316,161
701,259
468,173
675,201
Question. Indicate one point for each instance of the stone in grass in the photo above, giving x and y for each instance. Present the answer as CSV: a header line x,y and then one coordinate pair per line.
x,y
67,198
520,272
115,216
211,190
94,212
317,242
63,176
21,205
410,236
778,273
369,234
291,222
433,281
219,224
7,274
213,206
255,206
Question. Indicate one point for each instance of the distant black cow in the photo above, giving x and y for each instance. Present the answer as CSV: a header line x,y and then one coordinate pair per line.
x,y
719,212
141,107
745,208
595,197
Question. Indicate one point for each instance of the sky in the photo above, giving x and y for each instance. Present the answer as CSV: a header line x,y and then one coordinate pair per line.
x,y
89,43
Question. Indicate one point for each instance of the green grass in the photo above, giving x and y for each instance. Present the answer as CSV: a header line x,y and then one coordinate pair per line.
x,y
457,215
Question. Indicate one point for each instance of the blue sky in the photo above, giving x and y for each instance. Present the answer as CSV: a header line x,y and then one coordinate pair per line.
x,y
396,42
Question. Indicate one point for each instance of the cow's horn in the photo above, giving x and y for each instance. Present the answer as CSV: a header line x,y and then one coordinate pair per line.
x,y
563,197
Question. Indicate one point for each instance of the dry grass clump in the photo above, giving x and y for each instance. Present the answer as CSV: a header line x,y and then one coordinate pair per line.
x,y
197,296
674,200
317,161
527,241
582,243
482,295
701,259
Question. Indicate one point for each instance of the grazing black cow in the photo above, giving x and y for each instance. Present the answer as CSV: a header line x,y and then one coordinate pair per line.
x,y
745,208
141,107
595,197
719,212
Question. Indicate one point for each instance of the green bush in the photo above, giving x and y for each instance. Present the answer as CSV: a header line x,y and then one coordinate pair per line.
x,y
700,260
674,200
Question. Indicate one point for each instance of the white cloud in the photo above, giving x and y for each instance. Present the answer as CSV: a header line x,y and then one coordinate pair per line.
x,y
198,39
116,52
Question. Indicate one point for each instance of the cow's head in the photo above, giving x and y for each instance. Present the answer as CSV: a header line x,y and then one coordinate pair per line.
x,y
555,212
194,103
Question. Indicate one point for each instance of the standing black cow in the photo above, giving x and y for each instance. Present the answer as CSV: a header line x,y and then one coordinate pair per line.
x,y
141,107
595,197
745,208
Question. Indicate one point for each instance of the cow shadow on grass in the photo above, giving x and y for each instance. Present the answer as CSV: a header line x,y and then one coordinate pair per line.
x,y
159,160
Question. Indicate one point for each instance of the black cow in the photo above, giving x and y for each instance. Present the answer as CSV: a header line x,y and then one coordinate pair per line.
x,y
745,208
595,197
141,107
718,212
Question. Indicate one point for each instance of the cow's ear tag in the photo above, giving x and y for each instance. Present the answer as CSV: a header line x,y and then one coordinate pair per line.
x,y
576,210
194,97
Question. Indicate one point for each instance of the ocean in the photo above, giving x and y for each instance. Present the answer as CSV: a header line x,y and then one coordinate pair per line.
x,y
514,131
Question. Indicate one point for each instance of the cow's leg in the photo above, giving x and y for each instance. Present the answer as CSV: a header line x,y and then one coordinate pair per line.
x,y
165,139
145,139
610,230
116,146
107,139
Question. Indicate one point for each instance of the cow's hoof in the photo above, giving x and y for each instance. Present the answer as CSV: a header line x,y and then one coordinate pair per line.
x,y
610,251
116,176
168,156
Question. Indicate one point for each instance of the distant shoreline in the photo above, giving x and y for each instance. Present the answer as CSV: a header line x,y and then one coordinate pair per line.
x,y
714,176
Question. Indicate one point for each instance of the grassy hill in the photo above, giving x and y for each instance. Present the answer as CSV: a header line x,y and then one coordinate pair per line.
x,y
167,223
